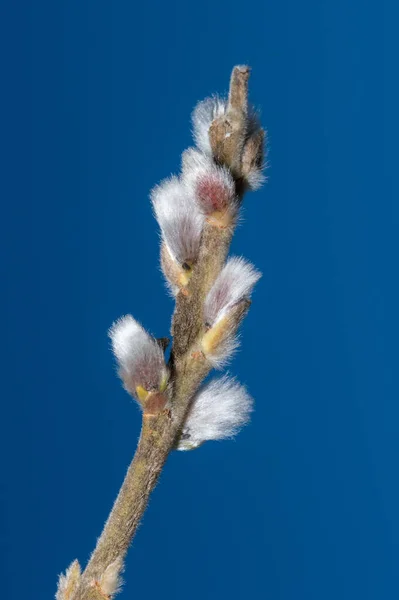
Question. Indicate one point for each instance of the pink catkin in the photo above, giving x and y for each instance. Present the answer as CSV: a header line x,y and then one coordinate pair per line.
x,y
212,194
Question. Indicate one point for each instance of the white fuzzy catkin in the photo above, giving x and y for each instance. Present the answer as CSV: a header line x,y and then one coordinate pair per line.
x,y
234,283
110,581
68,582
179,218
213,187
203,115
140,358
218,411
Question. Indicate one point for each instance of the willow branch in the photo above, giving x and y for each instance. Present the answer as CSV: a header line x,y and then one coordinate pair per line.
x,y
165,411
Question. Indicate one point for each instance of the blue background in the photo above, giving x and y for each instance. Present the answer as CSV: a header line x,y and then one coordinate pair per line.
x,y
96,109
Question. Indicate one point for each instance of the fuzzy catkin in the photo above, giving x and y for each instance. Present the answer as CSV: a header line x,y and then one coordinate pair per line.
x,y
218,411
140,358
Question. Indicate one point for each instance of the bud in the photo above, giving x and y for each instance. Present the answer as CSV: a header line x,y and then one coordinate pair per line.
x,y
227,133
68,583
179,219
212,186
218,411
225,306
141,363
203,115
230,132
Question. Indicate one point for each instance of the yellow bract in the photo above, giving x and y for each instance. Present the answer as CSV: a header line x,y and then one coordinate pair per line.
x,y
164,383
184,277
142,394
215,335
